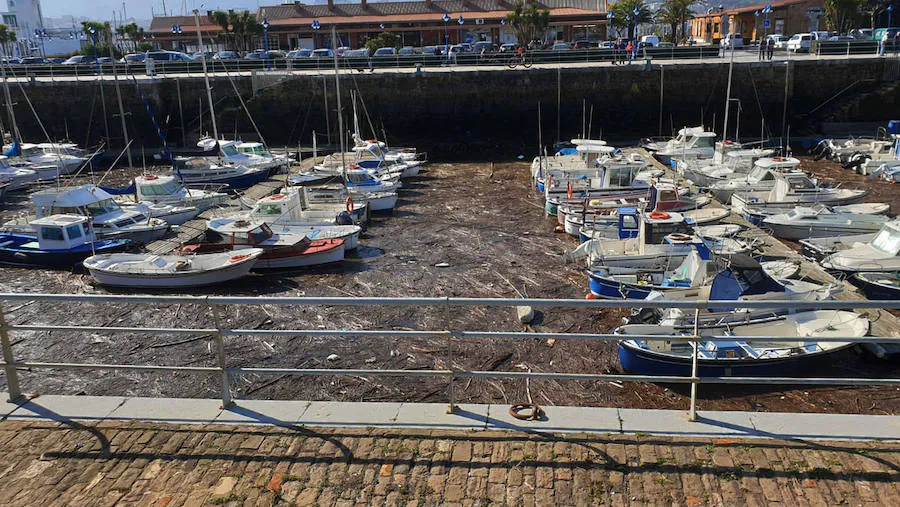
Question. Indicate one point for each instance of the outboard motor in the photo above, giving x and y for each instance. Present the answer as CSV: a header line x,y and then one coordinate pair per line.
x,y
344,218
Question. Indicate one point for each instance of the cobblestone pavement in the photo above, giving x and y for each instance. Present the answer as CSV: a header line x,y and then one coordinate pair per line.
x,y
169,465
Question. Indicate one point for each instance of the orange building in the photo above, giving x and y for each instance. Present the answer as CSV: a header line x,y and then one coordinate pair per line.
x,y
787,17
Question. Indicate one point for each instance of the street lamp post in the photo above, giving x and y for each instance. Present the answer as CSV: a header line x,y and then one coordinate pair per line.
x,y
40,33
316,26
766,10
610,16
636,11
756,25
460,21
446,19
176,30
265,25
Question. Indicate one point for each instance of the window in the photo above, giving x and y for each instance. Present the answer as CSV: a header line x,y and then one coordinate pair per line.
x,y
629,222
716,28
888,241
229,150
74,231
52,233
10,19
270,209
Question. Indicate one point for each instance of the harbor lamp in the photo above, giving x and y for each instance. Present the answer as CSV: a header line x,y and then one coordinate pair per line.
x,y
446,19
636,12
265,25
766,10
316,26
890,9
460,21
756,25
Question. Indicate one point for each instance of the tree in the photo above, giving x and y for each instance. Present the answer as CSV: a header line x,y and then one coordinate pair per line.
x,y
383,40
528,22
7,37
240,28
624,17
872,8
224,22
841,15
102,31
133,33
675,13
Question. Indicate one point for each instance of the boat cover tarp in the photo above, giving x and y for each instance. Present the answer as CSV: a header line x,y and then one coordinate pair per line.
x,y
15,150
130,189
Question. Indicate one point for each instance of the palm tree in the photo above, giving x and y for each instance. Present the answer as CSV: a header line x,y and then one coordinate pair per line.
x,y
675,13
222,19
528,22
624,15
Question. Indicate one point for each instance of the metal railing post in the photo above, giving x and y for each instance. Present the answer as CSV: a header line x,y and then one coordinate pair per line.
x,y
220,353
12,377
696,344
451,408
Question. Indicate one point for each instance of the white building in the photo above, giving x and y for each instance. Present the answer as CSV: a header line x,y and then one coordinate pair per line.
x,y
24,16
26,19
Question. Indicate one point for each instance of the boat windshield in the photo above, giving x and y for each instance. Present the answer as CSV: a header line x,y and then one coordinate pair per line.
x,y
801,183
887,241
169,188
229,150
93,209
704,142
759,174
253,150
261,234
269,209
621,176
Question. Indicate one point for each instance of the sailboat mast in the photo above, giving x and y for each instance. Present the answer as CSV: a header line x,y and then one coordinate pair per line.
x,y
728,95
337,92
9,107
121,108
212,111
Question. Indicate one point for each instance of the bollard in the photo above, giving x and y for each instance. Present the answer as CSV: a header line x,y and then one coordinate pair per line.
x,y
418,68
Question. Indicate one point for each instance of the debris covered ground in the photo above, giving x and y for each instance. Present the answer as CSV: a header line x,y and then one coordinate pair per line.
x,y
467,230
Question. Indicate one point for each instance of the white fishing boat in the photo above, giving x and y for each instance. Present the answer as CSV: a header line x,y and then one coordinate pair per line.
x,y
705,216
635,253
690,144
718,230
762,177
108,219
46,161
880,254
16,178
725,165
168,190
241,154
200,171
171,271
792,190
819,222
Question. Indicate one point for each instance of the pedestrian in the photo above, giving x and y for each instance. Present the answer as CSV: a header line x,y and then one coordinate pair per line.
x,y
770,46
763,45
615,51
896,42
882,42
630,50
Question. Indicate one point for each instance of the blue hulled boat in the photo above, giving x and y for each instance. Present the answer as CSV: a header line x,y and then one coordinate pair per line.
x,y
60,241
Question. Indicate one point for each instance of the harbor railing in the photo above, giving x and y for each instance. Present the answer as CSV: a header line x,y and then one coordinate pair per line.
x,y
219,333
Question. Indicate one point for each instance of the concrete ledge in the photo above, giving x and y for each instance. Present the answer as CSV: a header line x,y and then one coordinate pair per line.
x,y
69,409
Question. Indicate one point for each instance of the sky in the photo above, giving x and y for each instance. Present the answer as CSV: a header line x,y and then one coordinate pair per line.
x,y
138,9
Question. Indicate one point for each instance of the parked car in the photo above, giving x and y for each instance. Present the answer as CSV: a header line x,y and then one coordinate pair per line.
x,y
104,60
432,50
408,51
779,39
607,44
465,47
891,32
341,50
300,53
485,46
322,53
799,42
841,38
561,46
226,55
202,54
732,40
650,40
861,33
668,45
356,53
75,60
509,47
275,54
585,44
34,60
134,58
57,60
168,56
385,52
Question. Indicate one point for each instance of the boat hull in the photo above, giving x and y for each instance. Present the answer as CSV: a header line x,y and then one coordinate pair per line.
x,y
236,182
275,260
174,280
57,259
646,362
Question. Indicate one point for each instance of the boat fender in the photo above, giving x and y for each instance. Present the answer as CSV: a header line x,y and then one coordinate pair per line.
x,y
569,190
151,177
278,196
348,204
659,215
778,159
679,237
238,258
519,411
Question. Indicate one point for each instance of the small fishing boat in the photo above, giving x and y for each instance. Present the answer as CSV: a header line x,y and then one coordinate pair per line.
x,y
626,222
171,271
335,198
718,230
17,178
349,234
47,161
761,178
695,270
881,254
690,143
878,285
819,222
735,351
727,163
791,190
281,251
200,171
170,214
819,248
108,219
58,241
705,216
241,154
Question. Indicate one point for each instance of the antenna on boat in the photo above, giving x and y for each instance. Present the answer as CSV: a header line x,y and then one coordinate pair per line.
x,y
212,112
728,94
540,145
590,122
121,107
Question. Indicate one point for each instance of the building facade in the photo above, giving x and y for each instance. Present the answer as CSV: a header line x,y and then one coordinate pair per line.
x,y
787,17
418,23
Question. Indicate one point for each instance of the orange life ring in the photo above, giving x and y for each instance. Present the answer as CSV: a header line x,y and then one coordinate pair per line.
x,y
728,142
372,141
348,204
151,177
238,258
354,166
677,236
277,196
778,159
659,215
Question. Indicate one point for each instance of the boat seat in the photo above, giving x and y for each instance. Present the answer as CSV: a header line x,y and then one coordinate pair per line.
x,y
750,351
6,243
810,347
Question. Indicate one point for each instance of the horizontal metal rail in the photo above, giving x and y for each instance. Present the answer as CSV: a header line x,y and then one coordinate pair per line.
x,y
691,334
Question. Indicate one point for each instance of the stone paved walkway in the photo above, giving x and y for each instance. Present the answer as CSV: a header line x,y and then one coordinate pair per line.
x,y
167,465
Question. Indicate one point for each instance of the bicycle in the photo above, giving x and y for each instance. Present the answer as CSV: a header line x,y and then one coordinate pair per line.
x,y
516,60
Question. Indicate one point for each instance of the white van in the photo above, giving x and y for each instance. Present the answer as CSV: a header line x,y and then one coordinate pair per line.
x,y
800,42
650,40
732,40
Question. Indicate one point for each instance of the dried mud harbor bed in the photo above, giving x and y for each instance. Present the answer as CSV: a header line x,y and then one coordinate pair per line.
x,y
488,226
